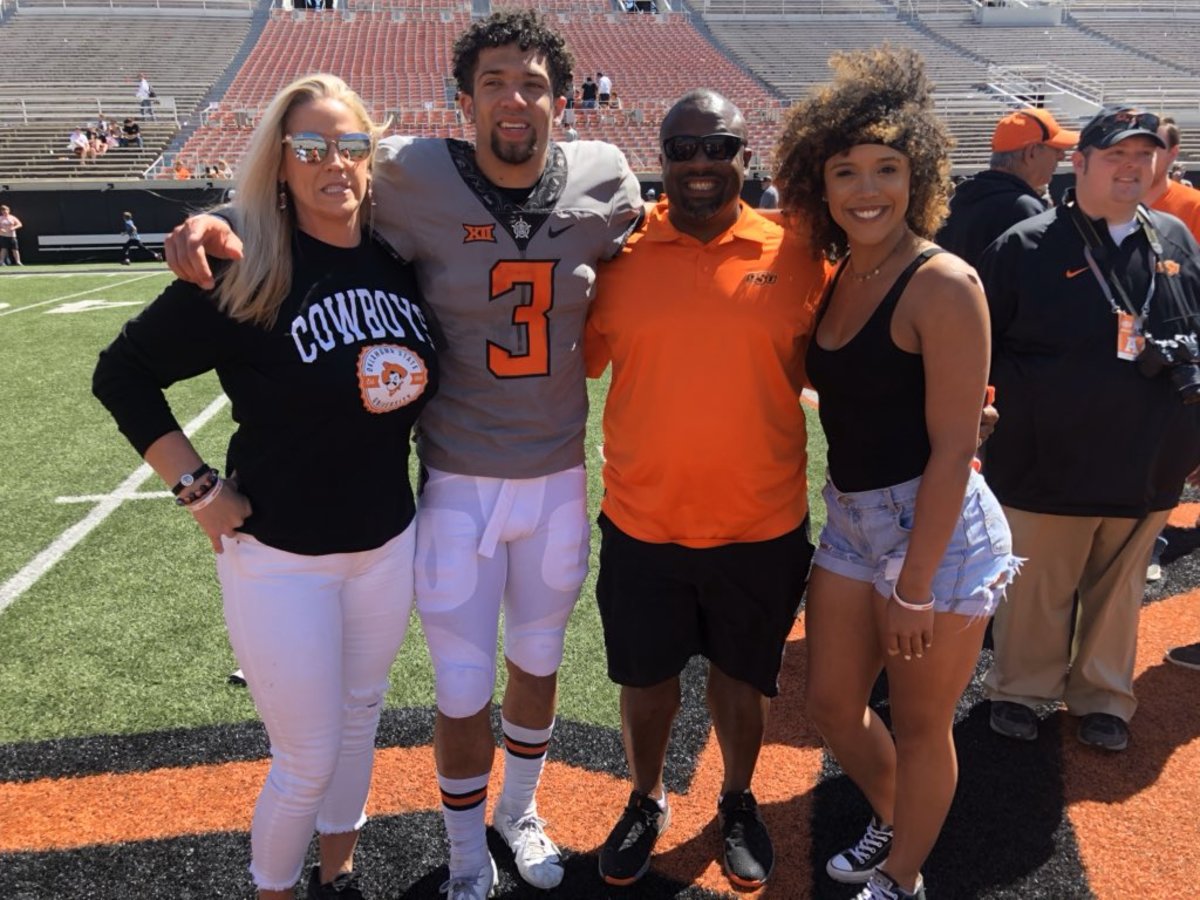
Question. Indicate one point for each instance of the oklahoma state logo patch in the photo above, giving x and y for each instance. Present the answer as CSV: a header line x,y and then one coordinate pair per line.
x,y
479,233
390,376
761,278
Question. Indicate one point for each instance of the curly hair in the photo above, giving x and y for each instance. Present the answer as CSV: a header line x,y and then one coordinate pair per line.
x,y
877,96
526,29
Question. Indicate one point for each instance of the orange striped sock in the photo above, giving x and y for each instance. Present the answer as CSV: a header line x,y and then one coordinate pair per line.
x,y
524,758
464,807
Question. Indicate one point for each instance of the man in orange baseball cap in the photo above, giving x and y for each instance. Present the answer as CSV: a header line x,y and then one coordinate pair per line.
x,y
1027,146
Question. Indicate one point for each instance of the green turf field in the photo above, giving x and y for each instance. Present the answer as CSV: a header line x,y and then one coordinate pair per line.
x,y
123,633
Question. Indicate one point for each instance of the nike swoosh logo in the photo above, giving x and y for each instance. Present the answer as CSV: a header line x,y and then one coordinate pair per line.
x,y
1071,273
555,234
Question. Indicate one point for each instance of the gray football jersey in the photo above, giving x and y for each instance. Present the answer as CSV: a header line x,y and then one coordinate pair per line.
x,y
509,285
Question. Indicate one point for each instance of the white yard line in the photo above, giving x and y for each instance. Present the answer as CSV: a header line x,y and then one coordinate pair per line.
x,y
107,504
106,287
132,495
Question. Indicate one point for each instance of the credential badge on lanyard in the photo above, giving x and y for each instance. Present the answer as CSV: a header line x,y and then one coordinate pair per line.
x,y
1131,337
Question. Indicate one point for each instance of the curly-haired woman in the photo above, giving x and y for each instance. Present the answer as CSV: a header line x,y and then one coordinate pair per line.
x,y
916,551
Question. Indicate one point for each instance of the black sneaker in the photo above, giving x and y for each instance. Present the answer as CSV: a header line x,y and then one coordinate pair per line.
x,y
1104,731
1187,656
748,856
857,864
1013,720
883,887
625,856
347,886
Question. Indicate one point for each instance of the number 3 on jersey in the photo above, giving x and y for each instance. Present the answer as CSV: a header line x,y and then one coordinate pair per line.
x,y
538,275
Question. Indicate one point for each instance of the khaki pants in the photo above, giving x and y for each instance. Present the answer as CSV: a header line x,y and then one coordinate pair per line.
x,y
1102,562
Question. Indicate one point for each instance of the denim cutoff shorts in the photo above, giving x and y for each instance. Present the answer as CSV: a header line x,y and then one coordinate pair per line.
x,y
866,537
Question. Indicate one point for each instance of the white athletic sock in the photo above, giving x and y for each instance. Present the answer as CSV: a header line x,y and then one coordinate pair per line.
x,y
524,758
464,808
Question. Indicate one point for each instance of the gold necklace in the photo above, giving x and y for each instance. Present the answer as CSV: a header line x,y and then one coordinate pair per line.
x,y
867,276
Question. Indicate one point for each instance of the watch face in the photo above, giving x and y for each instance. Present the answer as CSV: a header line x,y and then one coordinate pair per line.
x,y
187,480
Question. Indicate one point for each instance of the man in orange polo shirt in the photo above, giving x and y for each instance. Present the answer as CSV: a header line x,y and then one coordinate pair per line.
x,y
705,317
1166,193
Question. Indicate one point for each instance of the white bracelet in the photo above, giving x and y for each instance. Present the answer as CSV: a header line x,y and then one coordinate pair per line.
x,y
904,604
211,494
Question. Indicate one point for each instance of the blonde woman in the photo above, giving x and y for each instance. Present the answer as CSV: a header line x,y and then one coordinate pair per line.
x,y
318,337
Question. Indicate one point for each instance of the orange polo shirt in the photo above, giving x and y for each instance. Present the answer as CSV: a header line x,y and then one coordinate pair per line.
x,y
704,440
1183,203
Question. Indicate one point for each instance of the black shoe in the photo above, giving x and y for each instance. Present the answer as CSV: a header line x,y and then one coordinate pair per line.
x,y
748,855
625,856
1187,656
1014,720
347,886
883,887
1104,731
857,864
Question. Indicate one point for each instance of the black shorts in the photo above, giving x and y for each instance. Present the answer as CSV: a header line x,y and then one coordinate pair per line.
x,y
661,604
7,243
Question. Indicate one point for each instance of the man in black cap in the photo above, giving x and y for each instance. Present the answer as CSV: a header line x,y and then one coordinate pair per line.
x,y
1095,307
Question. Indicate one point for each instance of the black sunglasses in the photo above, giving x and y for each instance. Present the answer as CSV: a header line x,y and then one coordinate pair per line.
x,y
314,148
717,147
1131,118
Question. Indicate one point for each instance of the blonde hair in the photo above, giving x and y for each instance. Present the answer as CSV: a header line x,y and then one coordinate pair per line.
x,y
252,288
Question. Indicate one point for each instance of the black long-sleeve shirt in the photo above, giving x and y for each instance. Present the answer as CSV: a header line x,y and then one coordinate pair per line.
x,y
324,400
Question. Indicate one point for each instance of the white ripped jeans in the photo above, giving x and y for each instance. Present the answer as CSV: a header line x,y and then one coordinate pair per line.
x,y
315,637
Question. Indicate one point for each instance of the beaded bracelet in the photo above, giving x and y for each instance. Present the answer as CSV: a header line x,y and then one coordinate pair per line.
x,y
202,488
209,496
912,607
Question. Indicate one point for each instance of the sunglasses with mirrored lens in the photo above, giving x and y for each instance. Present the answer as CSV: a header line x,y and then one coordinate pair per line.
x,y
717,147
314,148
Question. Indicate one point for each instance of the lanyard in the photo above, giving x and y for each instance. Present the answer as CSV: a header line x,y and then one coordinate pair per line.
x,y
1126,303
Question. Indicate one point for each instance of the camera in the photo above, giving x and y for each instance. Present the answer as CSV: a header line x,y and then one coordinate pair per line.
x,y
1179,357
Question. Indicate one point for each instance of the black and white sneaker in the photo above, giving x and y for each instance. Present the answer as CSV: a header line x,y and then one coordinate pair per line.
x,y
748,855
625,856
882,886
347,886
857,864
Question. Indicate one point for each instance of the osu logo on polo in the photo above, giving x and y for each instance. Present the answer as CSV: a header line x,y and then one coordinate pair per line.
x,y
390,376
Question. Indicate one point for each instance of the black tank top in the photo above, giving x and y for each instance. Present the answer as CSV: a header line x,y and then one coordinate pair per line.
x,y
872,397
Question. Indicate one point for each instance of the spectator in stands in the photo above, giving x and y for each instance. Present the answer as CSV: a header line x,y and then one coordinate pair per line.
x,y
145,96
10,251
614,102
133,239
81,145
603,89
223,169
770,194
317,584
103,127
570,134
1095,445
915,555
588,93
1179,173
180,171
131,134
719,567
1027,146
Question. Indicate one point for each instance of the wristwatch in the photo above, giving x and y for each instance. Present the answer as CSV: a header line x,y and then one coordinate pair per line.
x,y
188,479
